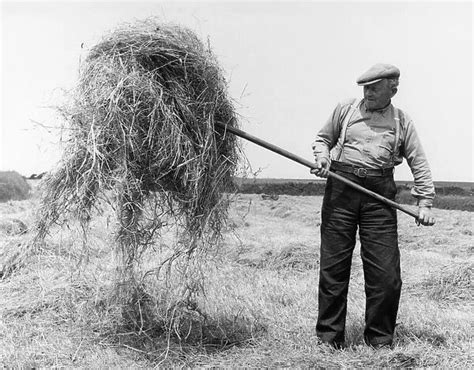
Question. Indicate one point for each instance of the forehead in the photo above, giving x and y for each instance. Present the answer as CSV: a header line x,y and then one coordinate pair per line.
x,y
380,85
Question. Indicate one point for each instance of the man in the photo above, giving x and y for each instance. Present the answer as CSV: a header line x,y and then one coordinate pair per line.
x,y
363,140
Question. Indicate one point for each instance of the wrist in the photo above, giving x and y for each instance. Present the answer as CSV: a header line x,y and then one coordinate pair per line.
x,y
323,158
425,203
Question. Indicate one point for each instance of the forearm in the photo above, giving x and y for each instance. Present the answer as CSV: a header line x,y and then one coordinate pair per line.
x,y
327,136
321,148
423,189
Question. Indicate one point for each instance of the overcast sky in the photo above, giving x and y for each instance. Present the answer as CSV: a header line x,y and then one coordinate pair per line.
x,y
288,64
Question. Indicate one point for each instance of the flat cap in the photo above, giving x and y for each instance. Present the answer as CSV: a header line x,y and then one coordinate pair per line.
x,y
377,73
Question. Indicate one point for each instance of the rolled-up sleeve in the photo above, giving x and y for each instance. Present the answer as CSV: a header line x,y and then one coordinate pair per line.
x,y
328,135
423,189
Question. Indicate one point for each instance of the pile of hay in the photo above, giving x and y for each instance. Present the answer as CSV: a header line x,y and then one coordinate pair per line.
x,y
451,283
13,186
141,134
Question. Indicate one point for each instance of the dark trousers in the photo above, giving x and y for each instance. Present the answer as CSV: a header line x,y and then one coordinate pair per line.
x,y
344,210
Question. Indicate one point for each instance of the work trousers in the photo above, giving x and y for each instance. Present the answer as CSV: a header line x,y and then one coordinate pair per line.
x,y
344,210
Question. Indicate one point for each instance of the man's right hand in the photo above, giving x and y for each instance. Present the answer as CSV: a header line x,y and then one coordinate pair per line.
x,y
425,217
322,168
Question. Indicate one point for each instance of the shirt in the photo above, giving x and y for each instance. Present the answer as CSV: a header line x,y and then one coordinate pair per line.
x,y
376,139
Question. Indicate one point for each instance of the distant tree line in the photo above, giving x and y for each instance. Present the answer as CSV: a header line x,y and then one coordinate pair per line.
x,y
447,197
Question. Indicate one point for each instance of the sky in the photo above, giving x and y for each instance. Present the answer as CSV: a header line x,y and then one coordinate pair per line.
x,y
287,64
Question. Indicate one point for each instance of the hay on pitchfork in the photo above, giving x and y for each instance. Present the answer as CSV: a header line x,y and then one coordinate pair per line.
x,y
142,126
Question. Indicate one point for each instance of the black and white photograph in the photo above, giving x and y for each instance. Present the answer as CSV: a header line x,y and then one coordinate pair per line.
x,y
236,184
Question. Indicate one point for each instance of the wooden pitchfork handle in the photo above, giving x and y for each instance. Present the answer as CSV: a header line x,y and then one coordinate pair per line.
x,y
312,165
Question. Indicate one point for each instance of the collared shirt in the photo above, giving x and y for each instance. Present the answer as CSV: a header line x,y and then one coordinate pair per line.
x,y
375,139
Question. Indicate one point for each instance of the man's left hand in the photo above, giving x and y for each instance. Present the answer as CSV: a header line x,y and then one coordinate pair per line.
x,y
425,217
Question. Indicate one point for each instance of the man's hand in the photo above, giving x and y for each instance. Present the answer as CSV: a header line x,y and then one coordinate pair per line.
x,y
322,169
424,217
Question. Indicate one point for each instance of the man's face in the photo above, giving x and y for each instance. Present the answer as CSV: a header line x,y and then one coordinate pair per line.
x,y
378,95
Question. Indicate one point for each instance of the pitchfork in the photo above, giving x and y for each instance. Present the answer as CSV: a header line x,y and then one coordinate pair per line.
x,y
312,165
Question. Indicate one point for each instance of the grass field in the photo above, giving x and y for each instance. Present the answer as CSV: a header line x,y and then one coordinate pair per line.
x,y
260,302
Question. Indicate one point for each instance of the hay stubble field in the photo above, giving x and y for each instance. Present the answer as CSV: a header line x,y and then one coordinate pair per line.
x,y
260,299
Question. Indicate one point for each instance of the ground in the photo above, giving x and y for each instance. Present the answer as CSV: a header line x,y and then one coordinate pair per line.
x,y
260,296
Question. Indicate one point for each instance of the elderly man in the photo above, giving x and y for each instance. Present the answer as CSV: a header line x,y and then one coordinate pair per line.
x,y
363,140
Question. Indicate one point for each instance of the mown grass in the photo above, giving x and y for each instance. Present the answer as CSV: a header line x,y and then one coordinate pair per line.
x,y
260,302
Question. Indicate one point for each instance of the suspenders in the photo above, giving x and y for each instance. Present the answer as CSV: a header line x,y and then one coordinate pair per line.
x,y
348,122
345,123
396,146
